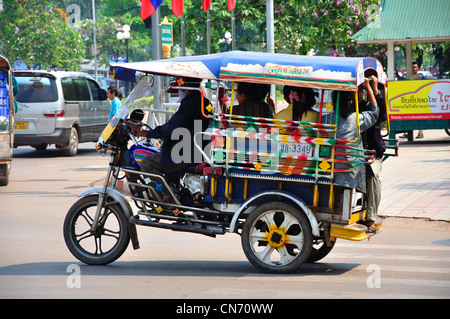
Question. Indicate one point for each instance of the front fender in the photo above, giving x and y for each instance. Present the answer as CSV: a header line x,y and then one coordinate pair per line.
x,y
127,210
309,214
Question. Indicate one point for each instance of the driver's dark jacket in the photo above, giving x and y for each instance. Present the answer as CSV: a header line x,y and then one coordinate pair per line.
x,y
188,112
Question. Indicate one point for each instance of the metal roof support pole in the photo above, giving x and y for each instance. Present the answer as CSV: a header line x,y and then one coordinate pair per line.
x,y
408,59
391,61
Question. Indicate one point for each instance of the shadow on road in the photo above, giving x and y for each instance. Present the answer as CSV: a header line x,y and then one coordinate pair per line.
x,y
169,268
53,152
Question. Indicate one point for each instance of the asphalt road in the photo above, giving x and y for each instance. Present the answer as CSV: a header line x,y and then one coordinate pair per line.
x,y
409,259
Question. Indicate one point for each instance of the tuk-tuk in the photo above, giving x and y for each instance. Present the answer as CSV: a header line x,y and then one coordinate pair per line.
x,y
6,120
269,180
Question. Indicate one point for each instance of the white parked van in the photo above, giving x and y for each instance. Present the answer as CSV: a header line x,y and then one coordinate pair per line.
x,y
59,107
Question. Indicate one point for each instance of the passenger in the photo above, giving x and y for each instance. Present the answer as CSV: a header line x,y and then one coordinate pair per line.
x,y
251,98
188,116
373,140
301,101
347,130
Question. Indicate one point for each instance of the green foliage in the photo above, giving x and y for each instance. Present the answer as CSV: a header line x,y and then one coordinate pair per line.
x,y
111,17
323,25
36,34
142,103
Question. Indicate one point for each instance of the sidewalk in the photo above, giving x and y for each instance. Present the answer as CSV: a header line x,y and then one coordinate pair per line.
x,y
416,184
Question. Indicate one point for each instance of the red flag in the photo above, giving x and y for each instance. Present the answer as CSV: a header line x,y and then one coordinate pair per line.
x,y
231,4
177,7
206,4
149,7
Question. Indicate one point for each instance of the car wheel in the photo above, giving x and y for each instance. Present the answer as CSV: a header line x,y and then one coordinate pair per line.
x,y
71,148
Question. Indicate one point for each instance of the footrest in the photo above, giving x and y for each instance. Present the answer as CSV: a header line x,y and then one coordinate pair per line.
x,y
355,232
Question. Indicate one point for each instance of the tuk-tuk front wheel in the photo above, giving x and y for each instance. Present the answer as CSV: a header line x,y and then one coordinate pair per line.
x,y
277,238
110,239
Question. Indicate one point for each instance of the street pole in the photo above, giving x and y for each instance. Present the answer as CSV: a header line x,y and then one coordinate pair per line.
x,y
156,55
233,31
208,32
183,40
270,36
95,40
270,27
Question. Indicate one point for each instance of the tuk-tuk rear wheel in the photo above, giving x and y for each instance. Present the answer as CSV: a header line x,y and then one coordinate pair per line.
x,y
277,238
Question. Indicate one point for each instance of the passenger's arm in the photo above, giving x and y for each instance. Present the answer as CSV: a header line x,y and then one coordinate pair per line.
x,y
369,117
380,100
370,95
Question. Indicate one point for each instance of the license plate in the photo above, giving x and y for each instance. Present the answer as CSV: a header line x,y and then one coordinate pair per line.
x,y
296,150
21,125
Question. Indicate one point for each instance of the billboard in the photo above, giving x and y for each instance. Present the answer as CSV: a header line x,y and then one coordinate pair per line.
x,y
419,100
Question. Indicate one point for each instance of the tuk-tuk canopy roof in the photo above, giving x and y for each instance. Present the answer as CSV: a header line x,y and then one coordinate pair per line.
x,y
336,73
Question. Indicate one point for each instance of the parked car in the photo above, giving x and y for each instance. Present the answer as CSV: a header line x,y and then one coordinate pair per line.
x,y
59,107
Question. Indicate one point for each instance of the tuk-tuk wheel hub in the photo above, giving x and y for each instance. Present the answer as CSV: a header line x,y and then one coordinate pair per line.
x,y
276,237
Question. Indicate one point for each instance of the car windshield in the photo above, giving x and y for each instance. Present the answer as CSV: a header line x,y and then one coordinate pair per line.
x,y
36,89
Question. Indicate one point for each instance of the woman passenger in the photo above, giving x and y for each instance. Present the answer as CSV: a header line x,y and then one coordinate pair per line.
x,y
301,101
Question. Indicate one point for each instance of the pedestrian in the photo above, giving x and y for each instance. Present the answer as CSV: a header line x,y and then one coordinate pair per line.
x,y
122,90
112,94
415,76
15,92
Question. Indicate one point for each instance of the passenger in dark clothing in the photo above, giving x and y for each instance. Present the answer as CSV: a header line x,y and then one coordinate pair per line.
x,y
179,153
251,98
373,140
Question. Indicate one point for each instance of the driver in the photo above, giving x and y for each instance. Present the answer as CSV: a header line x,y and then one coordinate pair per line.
x,y
188,116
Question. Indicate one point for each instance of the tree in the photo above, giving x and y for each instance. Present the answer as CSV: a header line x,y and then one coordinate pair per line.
x,y
37,35
323,25
111,16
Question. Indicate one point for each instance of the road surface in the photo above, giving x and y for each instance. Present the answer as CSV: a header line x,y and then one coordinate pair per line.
x,y
409,259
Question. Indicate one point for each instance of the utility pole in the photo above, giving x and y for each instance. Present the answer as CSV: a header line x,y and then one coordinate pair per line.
x,y
156,55
270,36
95,40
